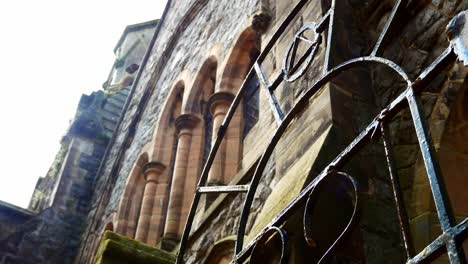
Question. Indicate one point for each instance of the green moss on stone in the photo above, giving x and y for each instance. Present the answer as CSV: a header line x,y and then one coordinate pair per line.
x,y
117,249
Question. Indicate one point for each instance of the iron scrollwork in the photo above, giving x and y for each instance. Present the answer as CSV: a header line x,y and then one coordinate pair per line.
x,y
256,257
311,203
308,223
452,235
290,71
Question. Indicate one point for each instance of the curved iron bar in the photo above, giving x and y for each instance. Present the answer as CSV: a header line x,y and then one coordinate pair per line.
x,y
303,100
222,130
288,61
285,245
206,168
328,74
397,194
311,203
368,134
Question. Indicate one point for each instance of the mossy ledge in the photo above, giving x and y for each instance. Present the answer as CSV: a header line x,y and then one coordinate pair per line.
x,y
117,249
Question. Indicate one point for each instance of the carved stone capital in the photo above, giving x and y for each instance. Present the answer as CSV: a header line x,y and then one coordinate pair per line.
x,y
261,21
186,121
169,242
219,98
153,169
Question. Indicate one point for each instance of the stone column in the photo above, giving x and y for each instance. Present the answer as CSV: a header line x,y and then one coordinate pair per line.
x,y
184,124
159,210
151,172
219,106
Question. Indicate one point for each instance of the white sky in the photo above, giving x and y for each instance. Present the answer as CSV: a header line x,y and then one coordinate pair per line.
x,y
51,52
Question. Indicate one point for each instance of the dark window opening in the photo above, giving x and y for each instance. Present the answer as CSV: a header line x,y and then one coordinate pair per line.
x,y
208,120
251,104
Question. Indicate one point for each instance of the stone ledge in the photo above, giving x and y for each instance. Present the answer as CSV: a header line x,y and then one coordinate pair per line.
x,y
117,249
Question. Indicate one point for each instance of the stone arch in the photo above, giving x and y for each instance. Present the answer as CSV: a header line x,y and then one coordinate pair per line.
x,y
197,103
221,252
159,168
164,135
109,227
202,87
130,203
240,59
192,126
238,63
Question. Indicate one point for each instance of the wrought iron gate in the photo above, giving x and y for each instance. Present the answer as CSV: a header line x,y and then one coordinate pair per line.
x,y
453,234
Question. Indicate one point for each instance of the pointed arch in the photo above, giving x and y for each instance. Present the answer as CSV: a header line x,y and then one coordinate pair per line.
x,y
130,203
221,252
109,227
240,59
196,104
202,87
164,134
238,63
162,151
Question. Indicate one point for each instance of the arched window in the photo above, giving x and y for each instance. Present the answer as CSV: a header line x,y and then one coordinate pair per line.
x,y
251,104
109,227
239,62
130,203
221,252
192,126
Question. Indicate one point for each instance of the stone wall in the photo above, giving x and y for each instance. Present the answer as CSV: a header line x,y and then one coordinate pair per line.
x,y
193,31
49,237
61,199
180,33
10,217
415,46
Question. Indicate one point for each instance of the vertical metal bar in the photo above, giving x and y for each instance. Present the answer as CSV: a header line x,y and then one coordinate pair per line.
x,y
207,167
455,251
275,107
280,29
441,199
331,20
432,167
390,22
401,210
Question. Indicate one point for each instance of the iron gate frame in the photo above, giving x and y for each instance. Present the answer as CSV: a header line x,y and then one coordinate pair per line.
x,y
452,235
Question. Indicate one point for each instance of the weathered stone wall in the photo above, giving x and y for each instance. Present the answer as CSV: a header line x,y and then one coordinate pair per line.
x,y
62,198
49,237
307,146
192,31
11,217
180,34
42,195
211,27
418,43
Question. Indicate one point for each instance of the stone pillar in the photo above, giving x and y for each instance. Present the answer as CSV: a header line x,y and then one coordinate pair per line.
x,y
219,106
184,124
151,171
159,210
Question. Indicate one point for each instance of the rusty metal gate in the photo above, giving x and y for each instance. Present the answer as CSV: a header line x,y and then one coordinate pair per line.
x,y
452,236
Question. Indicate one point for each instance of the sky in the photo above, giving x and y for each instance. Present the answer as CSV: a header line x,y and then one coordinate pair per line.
x,y
52,51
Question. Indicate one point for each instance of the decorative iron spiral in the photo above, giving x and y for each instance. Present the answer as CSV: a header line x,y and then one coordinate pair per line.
x,y
308,222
